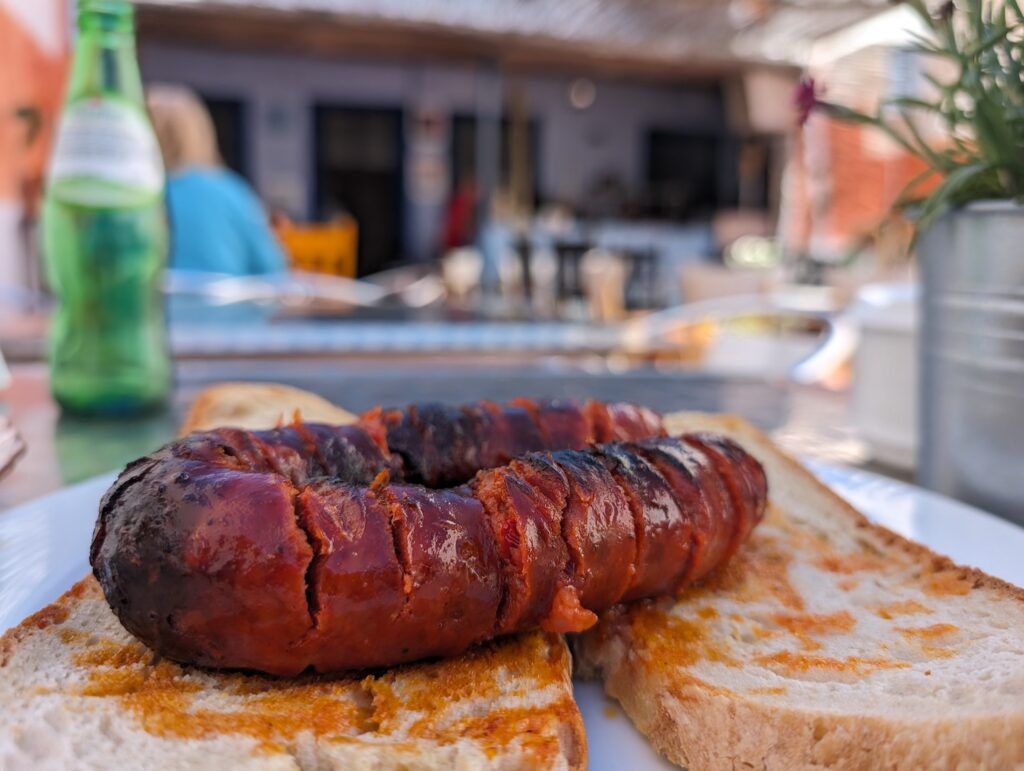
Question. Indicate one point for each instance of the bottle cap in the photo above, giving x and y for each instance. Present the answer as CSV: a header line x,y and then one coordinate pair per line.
x,y
105,15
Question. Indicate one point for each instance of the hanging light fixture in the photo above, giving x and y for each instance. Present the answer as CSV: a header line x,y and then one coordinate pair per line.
x,y
582,93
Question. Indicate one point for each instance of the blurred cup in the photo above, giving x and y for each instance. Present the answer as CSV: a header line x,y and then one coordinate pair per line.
x,y
461,270
604,285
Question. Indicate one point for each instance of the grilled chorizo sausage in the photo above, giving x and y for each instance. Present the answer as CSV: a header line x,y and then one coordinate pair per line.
x,y
338,547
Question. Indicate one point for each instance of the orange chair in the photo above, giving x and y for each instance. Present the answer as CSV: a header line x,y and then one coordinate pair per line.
x,y
329,248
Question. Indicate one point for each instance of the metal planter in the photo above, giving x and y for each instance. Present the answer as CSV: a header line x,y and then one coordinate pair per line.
x,y
972,357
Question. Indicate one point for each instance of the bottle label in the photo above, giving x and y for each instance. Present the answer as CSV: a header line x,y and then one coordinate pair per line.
x,y
105,148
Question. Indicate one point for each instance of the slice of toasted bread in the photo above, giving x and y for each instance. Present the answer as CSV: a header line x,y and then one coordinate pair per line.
x,y
827,641
259,405
78,691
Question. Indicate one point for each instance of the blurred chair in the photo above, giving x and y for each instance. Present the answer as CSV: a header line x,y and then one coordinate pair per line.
x,y
569,254
329,248
603,275
544,275
511,277
642,290
524,250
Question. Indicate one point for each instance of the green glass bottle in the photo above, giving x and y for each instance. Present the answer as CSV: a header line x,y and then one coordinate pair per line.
x,y
104,228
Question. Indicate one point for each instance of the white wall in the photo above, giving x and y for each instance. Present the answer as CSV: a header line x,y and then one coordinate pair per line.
x,y
576,146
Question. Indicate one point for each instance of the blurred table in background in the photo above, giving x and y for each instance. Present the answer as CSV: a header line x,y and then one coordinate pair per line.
x,y
200,330
807,421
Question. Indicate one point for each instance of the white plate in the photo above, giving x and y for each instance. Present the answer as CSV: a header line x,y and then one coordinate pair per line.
x,y
44,549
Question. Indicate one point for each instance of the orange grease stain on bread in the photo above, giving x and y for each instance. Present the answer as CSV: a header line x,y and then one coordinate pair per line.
x,y
759,571
851,563
807,626
405,707
162,695
928,632
902,608
949,583
796,664
671,641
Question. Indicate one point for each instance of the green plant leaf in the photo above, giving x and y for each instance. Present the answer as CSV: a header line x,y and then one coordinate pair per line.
x,y
907,197
976,17
924,150
996,138
848,115
927,45
981,107
989,40
912,103
946,195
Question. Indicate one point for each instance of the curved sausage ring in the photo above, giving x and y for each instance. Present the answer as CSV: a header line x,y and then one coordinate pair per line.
x,y
413,533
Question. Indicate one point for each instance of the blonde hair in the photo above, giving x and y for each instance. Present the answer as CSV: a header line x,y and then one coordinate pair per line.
x,y
183,127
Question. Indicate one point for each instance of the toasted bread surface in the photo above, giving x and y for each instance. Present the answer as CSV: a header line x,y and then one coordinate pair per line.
x,y
78,691
259,405
826,642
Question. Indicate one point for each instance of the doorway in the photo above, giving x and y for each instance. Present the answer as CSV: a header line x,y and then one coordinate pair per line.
x,y
684,178
358,163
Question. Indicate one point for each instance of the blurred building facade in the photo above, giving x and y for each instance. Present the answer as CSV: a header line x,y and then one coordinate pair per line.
x,y
668,110
844,178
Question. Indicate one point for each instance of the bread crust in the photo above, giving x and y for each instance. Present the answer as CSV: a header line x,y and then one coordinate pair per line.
x,y
259,405
698,729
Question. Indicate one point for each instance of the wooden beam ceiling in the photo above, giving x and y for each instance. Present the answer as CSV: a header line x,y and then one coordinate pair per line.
x,y
327,35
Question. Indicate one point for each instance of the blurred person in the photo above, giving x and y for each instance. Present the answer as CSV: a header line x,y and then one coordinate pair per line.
x,y
460,218
495,238
217,222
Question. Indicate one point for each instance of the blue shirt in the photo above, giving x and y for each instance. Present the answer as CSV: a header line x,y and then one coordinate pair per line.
x,y
219,225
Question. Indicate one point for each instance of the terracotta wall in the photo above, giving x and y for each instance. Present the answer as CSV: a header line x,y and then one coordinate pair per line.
x,y
33,65
866,179
843,179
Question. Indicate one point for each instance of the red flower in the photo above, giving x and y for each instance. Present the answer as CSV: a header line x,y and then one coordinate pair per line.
x,y
805,99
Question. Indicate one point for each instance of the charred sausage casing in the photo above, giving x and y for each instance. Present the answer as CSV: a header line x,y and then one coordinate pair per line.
x,y
413,533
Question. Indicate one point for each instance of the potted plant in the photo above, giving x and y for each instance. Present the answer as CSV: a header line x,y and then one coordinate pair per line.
x,y
970,245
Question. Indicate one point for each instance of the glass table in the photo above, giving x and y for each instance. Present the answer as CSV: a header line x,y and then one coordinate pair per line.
x,y
807,421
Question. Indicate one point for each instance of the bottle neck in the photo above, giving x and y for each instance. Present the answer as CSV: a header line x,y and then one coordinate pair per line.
x,y
104,62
